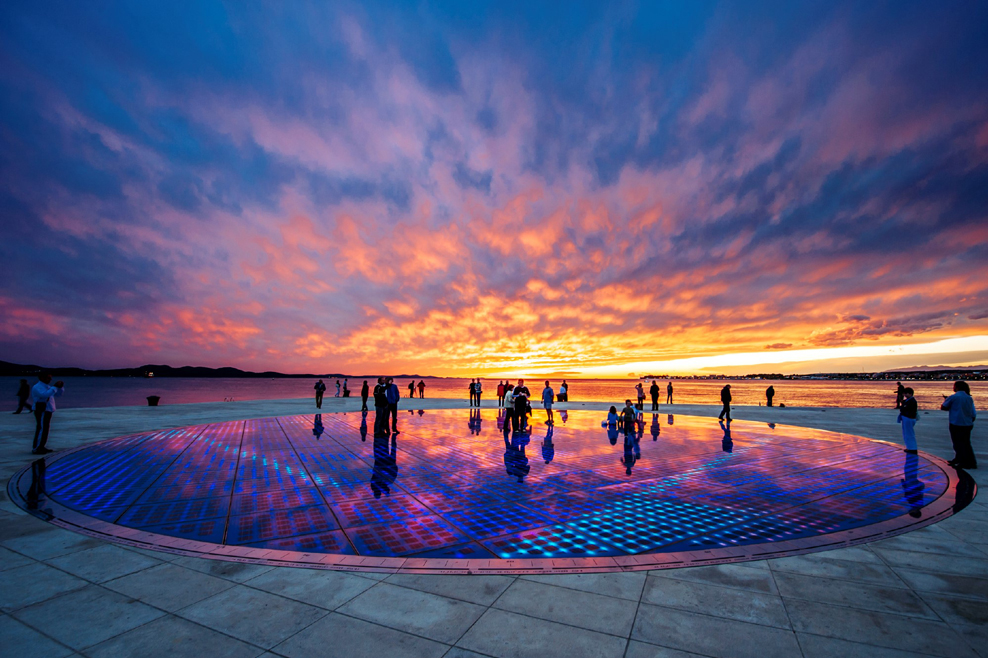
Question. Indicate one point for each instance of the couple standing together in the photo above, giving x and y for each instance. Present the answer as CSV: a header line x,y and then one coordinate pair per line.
x,y
386,398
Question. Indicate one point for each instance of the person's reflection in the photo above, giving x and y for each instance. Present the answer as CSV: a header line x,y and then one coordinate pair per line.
x,y
500,419
726,444
548,447
564,415
912,486
669,420
632,452
385,464
363,425
475,421
317,427
771,426
37,488
612,433
655,428
515,459
421,412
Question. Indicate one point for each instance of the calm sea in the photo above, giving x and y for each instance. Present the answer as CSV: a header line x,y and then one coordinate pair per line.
x,y
113,392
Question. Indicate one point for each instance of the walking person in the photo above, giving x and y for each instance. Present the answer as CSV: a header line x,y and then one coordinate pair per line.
x,y
478,390
320,388
769,394
392,396
725,397
44,394
346,388
421,389
364,392
899,394
641,396
669,393
23,394
653,390
908,415
547,395
337,388
411,389
960,405
500,394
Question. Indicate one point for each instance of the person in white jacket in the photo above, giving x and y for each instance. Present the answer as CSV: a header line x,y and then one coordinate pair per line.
x,y
43,394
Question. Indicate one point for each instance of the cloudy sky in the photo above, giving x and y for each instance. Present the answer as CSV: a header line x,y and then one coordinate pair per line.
x,y
465,187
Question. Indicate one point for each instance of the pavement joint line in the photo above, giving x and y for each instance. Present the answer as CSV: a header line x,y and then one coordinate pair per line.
x,y
39,631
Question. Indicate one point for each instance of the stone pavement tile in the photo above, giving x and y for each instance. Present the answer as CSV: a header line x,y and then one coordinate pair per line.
x,y
435,617
955,610
20,524
168,586
976,636
619,585
35,582
325,589
12,560
482,590
456,652
337,636
157,555
812,565
638,649
595,612
22,641
967,528
712,636
966,566
102,563
718,601
938,544
252,615
854,595
944,583
172,637
87,616
727,575
508,635
817,646
54,542
853,553
235,571
880,629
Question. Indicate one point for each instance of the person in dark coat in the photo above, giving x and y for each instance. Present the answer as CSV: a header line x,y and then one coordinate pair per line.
x,y
653,390
364,392
380,408
320,389
725,397
960,405
23,394
392,395
769,394
908,415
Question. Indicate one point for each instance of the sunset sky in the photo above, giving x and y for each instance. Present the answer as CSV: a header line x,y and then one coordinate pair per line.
x,y
469,188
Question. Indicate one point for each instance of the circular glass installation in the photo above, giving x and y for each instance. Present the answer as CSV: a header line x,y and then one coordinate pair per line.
x,y
456,492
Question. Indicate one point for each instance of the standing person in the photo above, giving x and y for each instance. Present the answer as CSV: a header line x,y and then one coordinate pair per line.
x,y
478,390
563,393
628,418
421,389
500,394
364,392
337,388
769,394
473,390
725,397
23,393
641,396
899,394
908,415
521,408
654,392
411,390
547,395
669,392
961,422
44,394
380,408
320,388
509,409
392,396
346,388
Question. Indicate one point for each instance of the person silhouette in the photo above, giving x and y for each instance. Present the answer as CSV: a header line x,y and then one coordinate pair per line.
x,y
23,394
900,393
515,460
44,395
363,425
411,389
655,428
421,389
385,470
769,394
670,420
653,390
320,389
337,388
364,393
37,488
726,444
912,486
725,397
317,427
669,392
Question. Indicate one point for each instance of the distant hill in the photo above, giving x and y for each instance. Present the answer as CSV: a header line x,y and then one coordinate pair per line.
x,y
21,370
939,369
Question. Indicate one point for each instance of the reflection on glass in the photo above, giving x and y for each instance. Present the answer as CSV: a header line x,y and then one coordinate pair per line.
x,y
363,425
37,488
912,486
548,447
655,428
669,420
726,444
385,465
317,427
515,459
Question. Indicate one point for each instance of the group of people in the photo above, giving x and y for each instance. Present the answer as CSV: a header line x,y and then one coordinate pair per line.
x,y
960,422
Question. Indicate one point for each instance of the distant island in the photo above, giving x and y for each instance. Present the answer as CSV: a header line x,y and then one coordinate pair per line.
x,y
8,369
